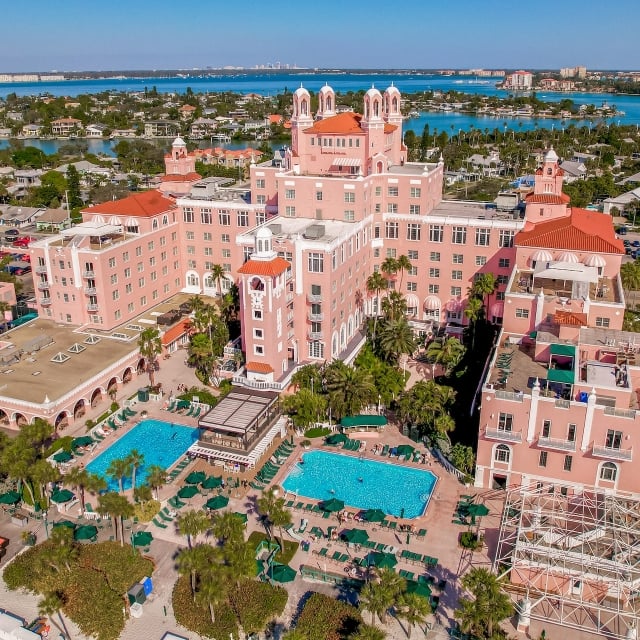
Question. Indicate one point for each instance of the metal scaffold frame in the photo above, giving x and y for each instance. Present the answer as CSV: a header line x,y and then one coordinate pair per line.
x,y
572,556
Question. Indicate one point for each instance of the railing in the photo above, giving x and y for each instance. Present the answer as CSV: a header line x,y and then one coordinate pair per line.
x,y
256,384
88,274
41,268
557,443
43,284
316,317
561,403
291,334
620,413
90,291
290,296
503,434
314,297
93,307
315,335
612,452
510,395
45,301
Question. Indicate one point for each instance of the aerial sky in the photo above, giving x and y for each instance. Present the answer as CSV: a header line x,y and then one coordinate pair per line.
x,y
79,35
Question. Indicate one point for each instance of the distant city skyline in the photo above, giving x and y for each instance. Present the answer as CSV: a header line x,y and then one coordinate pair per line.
x,y
158,34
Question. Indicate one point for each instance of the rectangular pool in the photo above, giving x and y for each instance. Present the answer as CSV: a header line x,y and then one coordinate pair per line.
x,y
160,443
362,483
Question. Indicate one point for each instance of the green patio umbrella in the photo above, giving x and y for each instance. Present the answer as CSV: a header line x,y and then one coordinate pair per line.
x,y
336,438
218,502
282,573
382,560
62,456
64,523
211,482
405,449
419,588
62,495
182,404
188,492
10,497
333,505
82,441
243,517
141,539
374,515
196,477
356,536
86,532
477,510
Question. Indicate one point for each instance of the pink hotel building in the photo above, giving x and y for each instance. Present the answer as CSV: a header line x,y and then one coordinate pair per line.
x,y
301,241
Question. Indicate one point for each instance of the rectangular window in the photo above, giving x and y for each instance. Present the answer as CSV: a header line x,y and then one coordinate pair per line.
x,y
225,237
316,349
434,272
349,215
542,460
458,258
482,237
413,231
613,440
504,263
261,199
481,261
412,254
546,428
434,256
260,184
125,256
414,209
378,191
243,218
112,263
571,433
224,218
205,216
436,233
522,313
434,288
392,207
506,238
128,288
127,272
412,286
412,271
456,275
502,280
505,421
392,253
392,192
349,196
456,292
290,211
316,262
187,214
391,230
226,253
191,235
258,349
289,194
459,235
257,314
568,462
415,192
602,322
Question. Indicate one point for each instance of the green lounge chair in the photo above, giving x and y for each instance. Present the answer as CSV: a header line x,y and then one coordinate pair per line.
x,y
336,556
393,525
404,554
159,524
343,558
129,412
421,534
289,504
380,546
196,413
191,410
165,517
326,515
323,552
171,406
385,450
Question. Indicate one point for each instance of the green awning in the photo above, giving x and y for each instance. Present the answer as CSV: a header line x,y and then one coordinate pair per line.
x,y
363,421
560,375
563,350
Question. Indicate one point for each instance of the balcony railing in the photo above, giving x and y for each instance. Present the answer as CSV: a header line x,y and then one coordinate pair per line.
x,y
290,296
316,317
88,274
557,443
315,335
612,453
509,395
314,297
45,301
41,268
503,434
620,413
93,307
90,291
43,284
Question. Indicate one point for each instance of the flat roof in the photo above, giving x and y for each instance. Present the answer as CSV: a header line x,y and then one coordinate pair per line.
x,y
474,210
238,410
294,227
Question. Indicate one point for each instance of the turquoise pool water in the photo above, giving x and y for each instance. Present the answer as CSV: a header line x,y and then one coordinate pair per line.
x,y
362,483
161,443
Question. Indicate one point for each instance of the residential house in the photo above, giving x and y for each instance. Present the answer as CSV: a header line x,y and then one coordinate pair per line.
x,y
161,129
17,216
573,170
32,130
95,130
53,220
66,126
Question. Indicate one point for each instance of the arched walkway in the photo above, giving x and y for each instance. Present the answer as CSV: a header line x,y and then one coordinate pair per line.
x,y
79,409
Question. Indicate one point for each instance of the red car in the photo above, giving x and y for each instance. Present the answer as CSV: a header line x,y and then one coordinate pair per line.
x,y
23,242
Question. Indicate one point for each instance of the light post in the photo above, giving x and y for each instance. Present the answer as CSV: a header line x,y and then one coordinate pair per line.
x,y
46,523
379,399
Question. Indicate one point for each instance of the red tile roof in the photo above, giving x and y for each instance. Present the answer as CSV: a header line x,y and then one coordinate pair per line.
x,y
175,332
259,367
569,318
344,123
265,268
582,230
547,198
140,205
178,177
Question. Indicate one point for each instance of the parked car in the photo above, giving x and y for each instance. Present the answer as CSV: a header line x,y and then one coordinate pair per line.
x,y
635,243
23,242
622,231
11,234
21,271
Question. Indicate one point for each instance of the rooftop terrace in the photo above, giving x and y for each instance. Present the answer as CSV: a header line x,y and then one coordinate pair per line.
x,y
474,211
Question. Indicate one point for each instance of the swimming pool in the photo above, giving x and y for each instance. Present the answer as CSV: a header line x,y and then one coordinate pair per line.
x,y
362,483
161,443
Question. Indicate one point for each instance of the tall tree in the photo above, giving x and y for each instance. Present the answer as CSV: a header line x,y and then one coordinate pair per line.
x,y
51,603
473,312
214,587
192,562
396,339
349,389
135,459
218,274
156,477
414,609
448,352
192,523
117,507
403,264
119,468
376,283
484,285
150,346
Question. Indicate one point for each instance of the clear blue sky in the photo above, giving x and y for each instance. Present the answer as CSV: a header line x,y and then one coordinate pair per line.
x,y
42,35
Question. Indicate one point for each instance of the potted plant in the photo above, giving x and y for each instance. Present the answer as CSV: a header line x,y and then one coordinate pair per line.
x,y
306,444
29,538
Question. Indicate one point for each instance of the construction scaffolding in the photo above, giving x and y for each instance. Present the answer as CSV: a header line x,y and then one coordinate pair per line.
x,y
572,557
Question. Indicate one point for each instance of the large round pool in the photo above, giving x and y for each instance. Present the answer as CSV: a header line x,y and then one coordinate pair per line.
x,y
161,443
362,483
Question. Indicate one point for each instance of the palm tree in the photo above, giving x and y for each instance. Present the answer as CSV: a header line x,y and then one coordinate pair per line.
x,y
487,606
150,347
414,609
42,473
379,596
390,267
367,632
267,506
83,481
213,588
52,602
281,517
396,339
192,562
403,264
448,353
217,275
349,389
192,523
373,599
156,477
394,306
483,286
116,506
227,527
473,312
119,468
375,284
196,303
135,459
4,307
630,277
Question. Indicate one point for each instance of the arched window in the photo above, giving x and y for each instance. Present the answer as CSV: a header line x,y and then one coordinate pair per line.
x,y
609,471
376,108
193,280
395,104
303,107
334,345
165,220
328,106
155,223
503,453
256,284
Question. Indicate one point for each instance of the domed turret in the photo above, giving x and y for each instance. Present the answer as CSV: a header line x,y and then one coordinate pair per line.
x,y
392,102
327,102
372,105
301,104
263,244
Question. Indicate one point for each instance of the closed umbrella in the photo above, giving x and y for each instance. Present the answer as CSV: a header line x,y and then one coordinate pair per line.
x,y
218,502
63,495
419,588
62,456
356,536
374,515
64,523
382,560
195,477
141,539
282,573
86,532
333,505
211,482
188,492
405,449
82,441
10,497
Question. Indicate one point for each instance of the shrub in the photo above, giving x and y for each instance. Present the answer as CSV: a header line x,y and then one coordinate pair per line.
x,y
114,407
290,547
204,395
145,511
469,540
257,603
317,432
324,618
60,443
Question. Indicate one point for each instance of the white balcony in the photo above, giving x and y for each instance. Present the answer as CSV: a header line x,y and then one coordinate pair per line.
x,y
90,291
93,307
45,301
41,269
314,297
88,274
43,285
612,453
315,335
503,435
557,443
316,317
290,297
